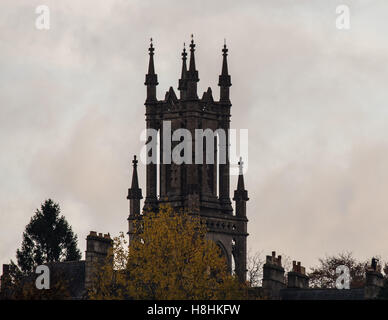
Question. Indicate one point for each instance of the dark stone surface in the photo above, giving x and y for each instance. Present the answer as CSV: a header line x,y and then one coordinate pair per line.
x,y
73,272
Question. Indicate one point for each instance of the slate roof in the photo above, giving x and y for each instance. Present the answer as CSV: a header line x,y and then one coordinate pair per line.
x,y
74,273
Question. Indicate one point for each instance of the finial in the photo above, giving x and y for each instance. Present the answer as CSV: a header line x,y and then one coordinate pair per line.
x,y
240,166
225,49
151,48
192,44
135,161
240,194
184,54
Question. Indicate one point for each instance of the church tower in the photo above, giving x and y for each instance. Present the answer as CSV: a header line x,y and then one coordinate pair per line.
x,y
201,187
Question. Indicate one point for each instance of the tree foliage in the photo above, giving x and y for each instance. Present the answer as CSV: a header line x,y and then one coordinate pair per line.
x,y
23,287
47,238
169,259
255,269
324,276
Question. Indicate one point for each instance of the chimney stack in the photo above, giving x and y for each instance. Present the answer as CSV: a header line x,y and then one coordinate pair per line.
x,y
297,278
374,280
273,276
98,249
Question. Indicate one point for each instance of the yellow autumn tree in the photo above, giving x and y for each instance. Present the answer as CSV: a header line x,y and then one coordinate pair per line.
x,y
23,287
169,259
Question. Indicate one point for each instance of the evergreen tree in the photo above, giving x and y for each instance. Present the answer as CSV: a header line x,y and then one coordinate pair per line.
x,y
47,238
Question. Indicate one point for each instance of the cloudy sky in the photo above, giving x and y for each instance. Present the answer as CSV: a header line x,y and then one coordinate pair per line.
x,y
313,98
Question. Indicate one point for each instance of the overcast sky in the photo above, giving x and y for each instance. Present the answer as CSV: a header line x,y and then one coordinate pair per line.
x,y
313,98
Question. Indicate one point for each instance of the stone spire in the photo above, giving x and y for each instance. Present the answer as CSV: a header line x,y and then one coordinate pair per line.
x,y
183,80
151,79
135,180
224,81
240,246
134,197
224,71
192,56
240,182
134,193
192,74
241,195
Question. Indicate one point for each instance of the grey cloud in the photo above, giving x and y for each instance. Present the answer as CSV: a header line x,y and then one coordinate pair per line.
x,y
312,97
